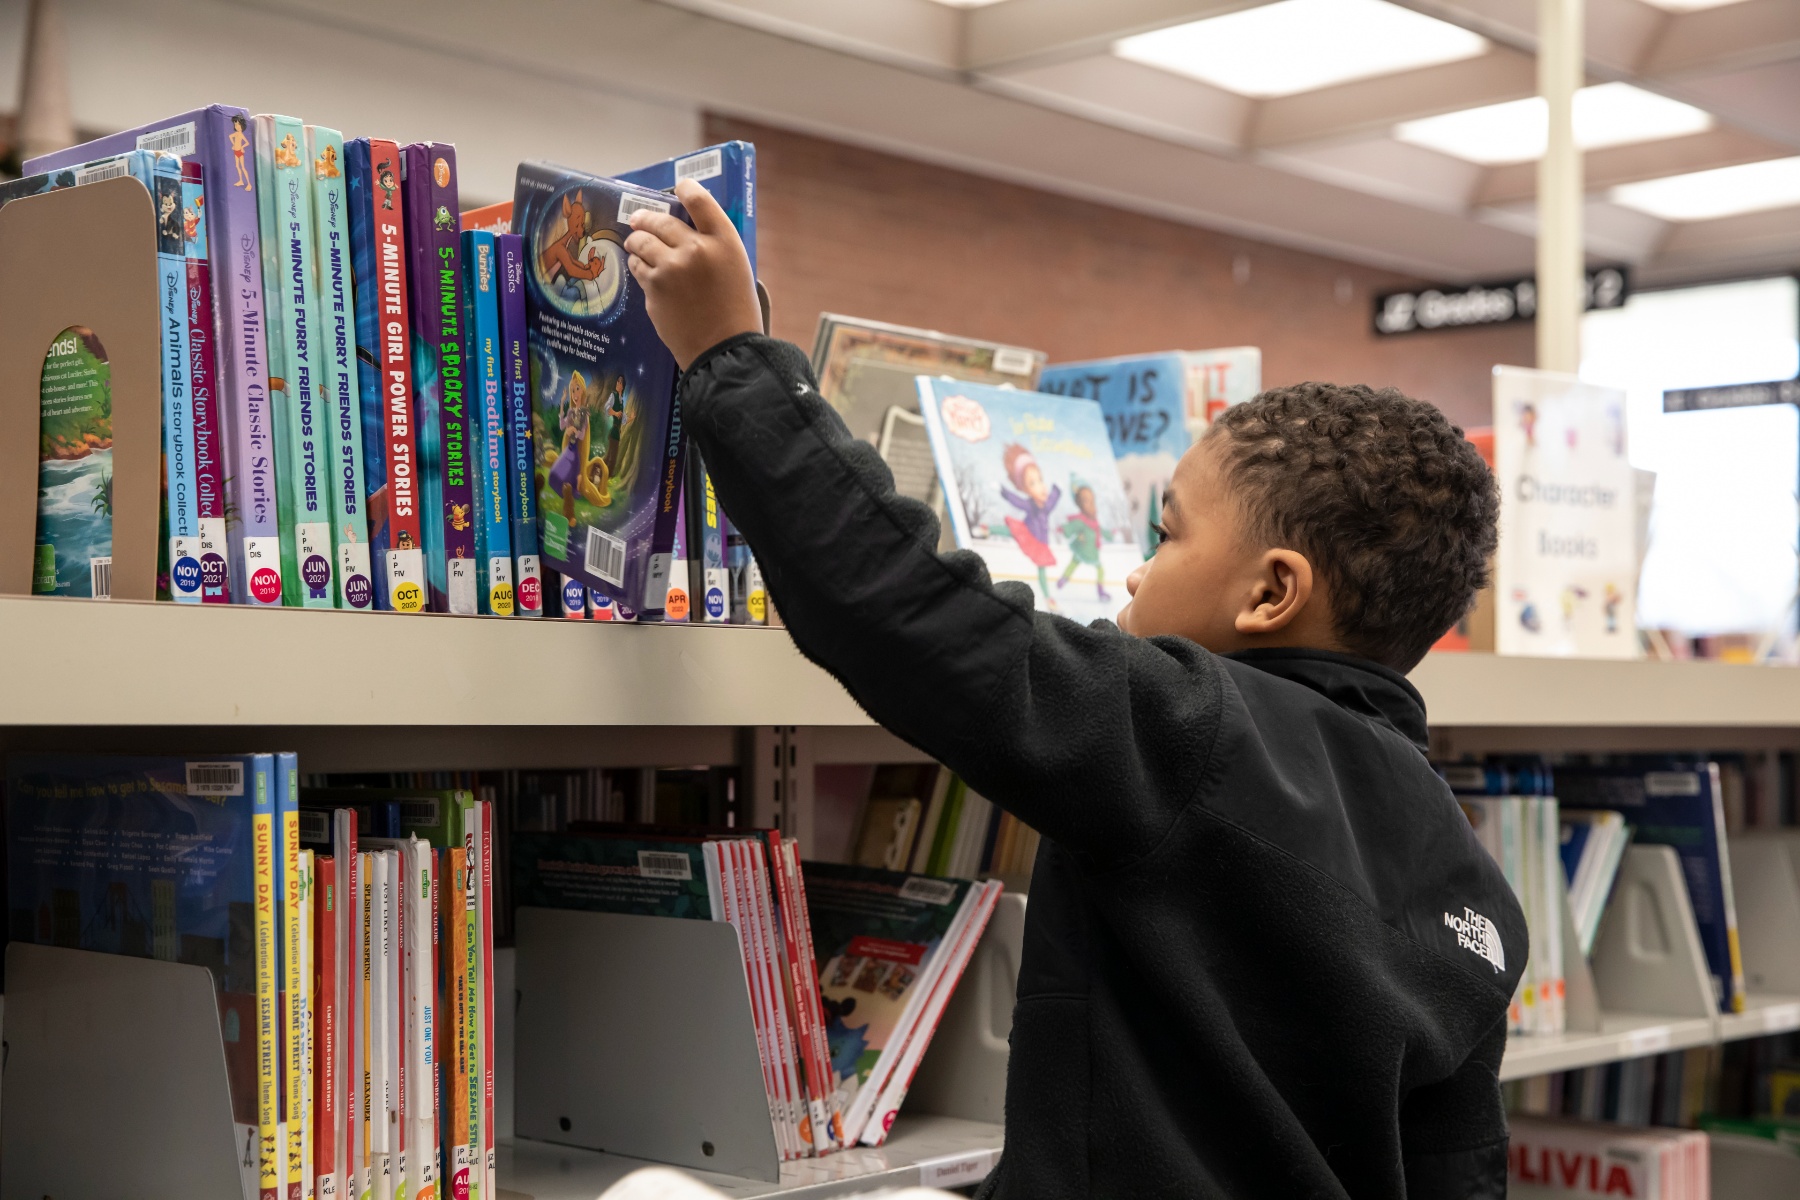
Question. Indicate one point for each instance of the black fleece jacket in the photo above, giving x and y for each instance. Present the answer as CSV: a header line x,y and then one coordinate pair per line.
x,y
1265,955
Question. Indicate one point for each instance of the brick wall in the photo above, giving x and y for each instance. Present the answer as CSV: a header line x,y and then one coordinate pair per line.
x,y
855,231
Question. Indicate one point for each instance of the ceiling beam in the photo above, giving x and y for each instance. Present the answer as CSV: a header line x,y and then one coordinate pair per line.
x,y
1375,105
1022,32
907,33
1718,39
1606,168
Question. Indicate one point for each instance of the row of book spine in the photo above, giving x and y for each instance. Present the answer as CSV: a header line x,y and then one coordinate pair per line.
x,y
348,411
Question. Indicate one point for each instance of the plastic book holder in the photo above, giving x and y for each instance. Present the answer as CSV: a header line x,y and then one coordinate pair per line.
x,y
82,256
963,1073
1767,890
115,1078
634,1036
1648,957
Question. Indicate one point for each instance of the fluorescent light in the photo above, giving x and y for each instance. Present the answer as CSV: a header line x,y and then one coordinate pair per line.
x,y
985,3
1300,45
1610,114
1722,192
1681,6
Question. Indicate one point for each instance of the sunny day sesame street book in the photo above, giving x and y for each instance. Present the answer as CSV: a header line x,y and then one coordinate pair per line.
x,y
1032,487
604,416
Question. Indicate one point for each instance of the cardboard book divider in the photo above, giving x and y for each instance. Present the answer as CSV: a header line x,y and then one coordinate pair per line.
x,y
82,256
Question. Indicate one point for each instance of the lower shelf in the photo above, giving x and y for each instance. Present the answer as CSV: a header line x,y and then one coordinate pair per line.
x,y
1761,1015
948,1148
1630,1035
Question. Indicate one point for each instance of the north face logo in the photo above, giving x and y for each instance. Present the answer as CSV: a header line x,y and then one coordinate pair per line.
x,y
1475,932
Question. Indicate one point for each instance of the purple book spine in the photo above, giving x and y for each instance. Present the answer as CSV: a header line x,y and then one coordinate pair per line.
x,y
434,239
220,139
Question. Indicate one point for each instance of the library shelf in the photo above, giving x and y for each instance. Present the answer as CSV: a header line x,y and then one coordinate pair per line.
x,y
1621,1036
922,1148
1762,1015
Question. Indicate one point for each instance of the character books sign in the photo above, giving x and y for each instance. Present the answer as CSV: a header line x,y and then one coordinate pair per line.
x,y
1033,488
1566,571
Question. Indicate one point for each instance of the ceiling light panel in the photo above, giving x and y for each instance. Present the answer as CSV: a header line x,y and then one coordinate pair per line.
x,y
1681,6
1723,192
967,3
1610,114
1301,45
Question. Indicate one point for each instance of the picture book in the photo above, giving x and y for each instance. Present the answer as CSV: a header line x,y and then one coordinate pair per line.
x,y
442,408
339,387
1156,405
292,1019
603,388
100,856
727,170
652,876
489,218
522,465
482,353
391,466
1671,802
749,598
284,199
180,503
221,139
203,386
865,367
709,577
677,601
1033,486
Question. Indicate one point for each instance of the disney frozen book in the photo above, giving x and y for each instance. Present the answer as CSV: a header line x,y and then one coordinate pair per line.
x,y
605,421
203,386
284,200
444,408
340,396
1033,488
221,139
391,483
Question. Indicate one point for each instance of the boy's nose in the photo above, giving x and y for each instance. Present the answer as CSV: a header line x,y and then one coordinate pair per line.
x,y
1132,580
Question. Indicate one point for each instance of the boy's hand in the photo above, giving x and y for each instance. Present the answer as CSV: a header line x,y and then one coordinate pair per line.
x,y
697,282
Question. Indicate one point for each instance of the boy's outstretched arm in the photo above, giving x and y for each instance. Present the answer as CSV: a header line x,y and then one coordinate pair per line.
x,y
1038,713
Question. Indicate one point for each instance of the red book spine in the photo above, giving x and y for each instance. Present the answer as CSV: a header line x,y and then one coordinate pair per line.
x,y
353,1073
808,975
805,1026
488,1156
325,1030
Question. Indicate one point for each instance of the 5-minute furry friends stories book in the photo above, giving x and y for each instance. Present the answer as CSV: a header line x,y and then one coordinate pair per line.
x,y
604,419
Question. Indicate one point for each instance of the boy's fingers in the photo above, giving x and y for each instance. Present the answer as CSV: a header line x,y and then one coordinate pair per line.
x,y
662,225
645,246
708,217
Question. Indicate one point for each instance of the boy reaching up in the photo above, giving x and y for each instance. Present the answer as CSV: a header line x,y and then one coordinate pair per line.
x,y
1264,955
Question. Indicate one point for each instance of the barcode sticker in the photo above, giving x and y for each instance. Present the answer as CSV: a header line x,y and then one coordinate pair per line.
x,y
1672,783
111,168
708,164
315,825
176,139
956,1170
1010,360
606,556
215,779
1471,778
655,865
931,891
629,204
422,810
100,577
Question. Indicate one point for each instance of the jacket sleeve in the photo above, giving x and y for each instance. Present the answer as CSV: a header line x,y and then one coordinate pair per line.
x,y
1453,1133
1055,721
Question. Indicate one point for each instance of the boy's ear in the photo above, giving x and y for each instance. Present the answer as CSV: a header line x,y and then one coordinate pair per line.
x,y
1281,590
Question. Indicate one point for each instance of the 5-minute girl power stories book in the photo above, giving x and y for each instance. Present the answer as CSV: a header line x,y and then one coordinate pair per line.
x,y
604,419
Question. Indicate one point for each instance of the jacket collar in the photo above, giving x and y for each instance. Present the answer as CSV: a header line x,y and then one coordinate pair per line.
x,y
1356,684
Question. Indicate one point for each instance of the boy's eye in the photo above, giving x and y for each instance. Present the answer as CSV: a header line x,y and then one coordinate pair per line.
x,y
1161,532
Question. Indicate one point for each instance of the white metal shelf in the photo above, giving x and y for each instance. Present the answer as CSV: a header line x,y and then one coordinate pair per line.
x,y
547,1172
1621,1036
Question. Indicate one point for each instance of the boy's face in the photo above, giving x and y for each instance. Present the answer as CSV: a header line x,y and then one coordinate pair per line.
x,y
1212,583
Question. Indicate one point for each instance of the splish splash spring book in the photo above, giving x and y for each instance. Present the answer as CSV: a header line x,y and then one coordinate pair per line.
x,y
1031,486
605,421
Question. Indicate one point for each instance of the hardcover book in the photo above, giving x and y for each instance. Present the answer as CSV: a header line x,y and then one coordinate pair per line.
x,y
650,875
1033,488
220,138
203,380
100,856
603,388
284,198
482,357
339,388
180,503
391,468
442,407
515,386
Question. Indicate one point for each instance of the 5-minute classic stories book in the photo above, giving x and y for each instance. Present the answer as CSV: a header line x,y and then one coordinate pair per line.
x,y
604,416
1032,487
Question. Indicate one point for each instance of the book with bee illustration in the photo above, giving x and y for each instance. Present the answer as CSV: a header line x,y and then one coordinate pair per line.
x,y
604,418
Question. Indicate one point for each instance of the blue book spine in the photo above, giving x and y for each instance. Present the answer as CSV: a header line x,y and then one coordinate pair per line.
x,y
492,474
709,578
180,495
515,385
340,392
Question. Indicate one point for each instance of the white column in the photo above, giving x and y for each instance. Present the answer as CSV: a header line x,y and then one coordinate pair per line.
x,y
1560,267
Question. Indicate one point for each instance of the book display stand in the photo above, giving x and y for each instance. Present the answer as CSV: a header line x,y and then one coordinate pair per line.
x,y
114,1077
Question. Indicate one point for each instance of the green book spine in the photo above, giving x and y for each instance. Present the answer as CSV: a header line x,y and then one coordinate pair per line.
x,y
945,837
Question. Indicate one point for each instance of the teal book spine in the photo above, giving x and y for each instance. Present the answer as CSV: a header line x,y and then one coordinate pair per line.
x,y
339,389
284,203
482,370
180,498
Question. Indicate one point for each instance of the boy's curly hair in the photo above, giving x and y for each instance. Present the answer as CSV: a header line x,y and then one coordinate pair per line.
x,y
1394,508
